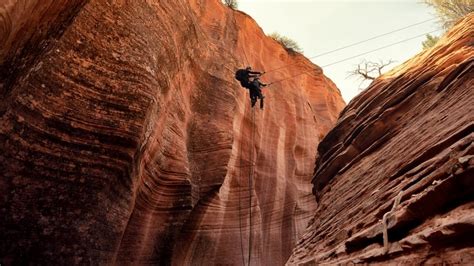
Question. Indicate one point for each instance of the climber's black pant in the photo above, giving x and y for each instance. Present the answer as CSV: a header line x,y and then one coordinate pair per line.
x,y
256,94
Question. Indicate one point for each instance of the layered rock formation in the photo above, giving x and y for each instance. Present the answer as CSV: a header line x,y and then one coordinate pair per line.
x,y
125,138
395,177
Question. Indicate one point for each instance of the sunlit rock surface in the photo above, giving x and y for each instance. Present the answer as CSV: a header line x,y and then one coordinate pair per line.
x,y
124,137
402,150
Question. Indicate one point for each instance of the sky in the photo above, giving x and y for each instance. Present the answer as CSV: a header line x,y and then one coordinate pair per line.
x,y
319,26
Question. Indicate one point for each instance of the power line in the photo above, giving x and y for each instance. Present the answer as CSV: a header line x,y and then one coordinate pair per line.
x,y
352,57
357,43
380,48
370,39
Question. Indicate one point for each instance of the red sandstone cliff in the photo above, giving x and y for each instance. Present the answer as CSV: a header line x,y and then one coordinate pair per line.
x,y
123,134
402,150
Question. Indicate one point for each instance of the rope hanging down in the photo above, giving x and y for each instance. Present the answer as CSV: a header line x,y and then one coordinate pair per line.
x,y
237,39
240,210
250,172
250,180
241,160
250,187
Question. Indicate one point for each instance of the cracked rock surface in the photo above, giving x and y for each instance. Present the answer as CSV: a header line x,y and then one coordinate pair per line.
x,y
403,149
125,138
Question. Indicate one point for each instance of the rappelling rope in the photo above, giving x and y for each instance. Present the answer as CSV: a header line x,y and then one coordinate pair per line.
x,y
240,169
240,209
237,40
250,186
250,179
241,166
250,164
292,77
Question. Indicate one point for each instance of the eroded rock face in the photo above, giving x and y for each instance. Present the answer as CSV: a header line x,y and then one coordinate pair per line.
x,y
401,160
126,139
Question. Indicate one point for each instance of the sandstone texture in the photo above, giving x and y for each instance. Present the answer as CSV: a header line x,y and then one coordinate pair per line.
x,y
124,137
395,177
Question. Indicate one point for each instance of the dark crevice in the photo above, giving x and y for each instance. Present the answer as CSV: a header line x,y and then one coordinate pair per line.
x,y
433,151
460,71
410,90
418,212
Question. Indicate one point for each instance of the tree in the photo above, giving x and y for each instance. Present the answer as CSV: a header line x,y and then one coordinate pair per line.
x,y
367,70
289,44
231,3
451,11
430,41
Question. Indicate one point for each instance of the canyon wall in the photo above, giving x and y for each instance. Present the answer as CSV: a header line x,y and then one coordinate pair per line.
x,y
126,139
395,177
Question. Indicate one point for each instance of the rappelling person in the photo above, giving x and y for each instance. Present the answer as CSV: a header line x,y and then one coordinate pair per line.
x,y
256,91
254,86
244,75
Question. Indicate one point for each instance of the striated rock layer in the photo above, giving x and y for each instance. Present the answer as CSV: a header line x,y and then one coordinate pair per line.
x,y
395,177
126,139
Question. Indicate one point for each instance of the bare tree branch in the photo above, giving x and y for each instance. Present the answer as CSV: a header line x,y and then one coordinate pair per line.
x,y
367,70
